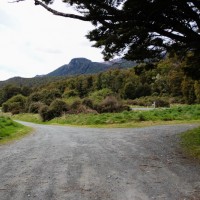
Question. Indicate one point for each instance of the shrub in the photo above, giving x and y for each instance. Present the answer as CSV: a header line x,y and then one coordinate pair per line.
x,y
75,105
34,97
45,113
100,95
149,100
70,93
162,103
88,102
48,96
35,107
5,107
58,106
111,104
15,105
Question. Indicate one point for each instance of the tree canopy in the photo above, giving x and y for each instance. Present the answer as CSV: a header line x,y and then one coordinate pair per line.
x,y
140,29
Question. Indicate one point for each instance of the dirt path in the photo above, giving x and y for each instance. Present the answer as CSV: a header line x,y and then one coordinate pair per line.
x,y
66,163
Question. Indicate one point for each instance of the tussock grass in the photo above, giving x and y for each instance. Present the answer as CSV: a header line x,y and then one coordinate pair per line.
x,y
10,130
190,141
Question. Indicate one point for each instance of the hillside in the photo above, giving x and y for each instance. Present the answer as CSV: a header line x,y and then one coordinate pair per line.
x,y
29,82
78,66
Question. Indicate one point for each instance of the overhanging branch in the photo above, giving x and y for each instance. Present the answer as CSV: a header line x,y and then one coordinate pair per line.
x,y
55,12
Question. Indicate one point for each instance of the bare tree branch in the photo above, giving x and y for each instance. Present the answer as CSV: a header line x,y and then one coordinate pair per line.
x,y
16,1
55,12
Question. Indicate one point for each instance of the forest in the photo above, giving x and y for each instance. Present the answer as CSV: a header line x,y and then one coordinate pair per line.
x,y
115,90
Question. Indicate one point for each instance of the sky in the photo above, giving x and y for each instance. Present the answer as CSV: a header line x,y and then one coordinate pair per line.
x,y
35,42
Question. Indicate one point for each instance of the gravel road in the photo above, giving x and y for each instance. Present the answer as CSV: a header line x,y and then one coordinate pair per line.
x,y
67,163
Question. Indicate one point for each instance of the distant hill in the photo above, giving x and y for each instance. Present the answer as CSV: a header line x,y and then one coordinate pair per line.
x,y
29,82
78,66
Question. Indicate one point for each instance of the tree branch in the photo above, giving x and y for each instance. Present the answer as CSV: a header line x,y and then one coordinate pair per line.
x,y
55,12
16,1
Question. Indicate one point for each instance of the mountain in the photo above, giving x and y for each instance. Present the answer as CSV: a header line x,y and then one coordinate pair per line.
x,y
78,66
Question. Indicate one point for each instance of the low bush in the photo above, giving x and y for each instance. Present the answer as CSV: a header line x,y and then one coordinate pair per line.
x,y
88,102
45,113
70,93
100,95
35,107
58,107
75,105
150,100
111,104
15,105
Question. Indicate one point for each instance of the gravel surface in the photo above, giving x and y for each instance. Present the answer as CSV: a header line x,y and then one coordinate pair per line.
x,y
67,163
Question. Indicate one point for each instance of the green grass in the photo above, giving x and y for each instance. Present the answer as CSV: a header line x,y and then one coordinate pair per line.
x,y
179,114
190,141
10,130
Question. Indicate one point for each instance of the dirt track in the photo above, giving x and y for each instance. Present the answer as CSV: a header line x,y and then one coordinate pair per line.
x,y
66,163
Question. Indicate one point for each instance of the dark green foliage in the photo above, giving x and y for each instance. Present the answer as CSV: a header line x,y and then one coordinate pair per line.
x,y
142,29
15,105
150,100
70,93
35,96
45,113
197,91
49,95
88,102
75,105
129,91
161,103
46,96
58,107
188,90
34,107
9,91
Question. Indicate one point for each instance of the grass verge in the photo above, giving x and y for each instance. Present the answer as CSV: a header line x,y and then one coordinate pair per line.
x,y
10,130
190,142
180,114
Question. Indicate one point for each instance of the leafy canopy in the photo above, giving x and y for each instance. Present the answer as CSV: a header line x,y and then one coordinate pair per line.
x,y
140,29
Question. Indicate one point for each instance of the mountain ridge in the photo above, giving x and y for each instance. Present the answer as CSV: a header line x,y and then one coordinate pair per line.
x,y
77,66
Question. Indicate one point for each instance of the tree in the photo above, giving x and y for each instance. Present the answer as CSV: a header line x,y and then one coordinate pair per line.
x,y
9,91
140,29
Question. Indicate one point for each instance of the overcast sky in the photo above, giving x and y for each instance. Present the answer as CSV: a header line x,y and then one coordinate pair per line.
x,y
34,41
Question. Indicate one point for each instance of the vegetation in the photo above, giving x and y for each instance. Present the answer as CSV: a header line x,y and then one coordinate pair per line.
x,y
177,114
191,142
111,91
141,30
10,130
